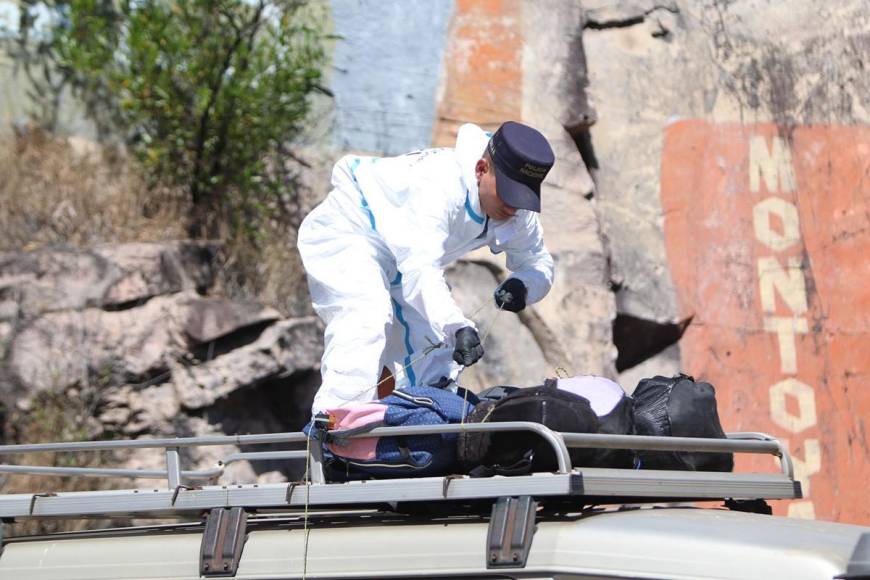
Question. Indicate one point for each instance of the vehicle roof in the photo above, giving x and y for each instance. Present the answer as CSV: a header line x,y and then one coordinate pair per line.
x,y
664,542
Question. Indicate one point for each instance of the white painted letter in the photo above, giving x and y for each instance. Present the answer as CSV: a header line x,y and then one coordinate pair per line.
x,y
774,165
787,213
806,402
809,466
804,510
785,328
788,281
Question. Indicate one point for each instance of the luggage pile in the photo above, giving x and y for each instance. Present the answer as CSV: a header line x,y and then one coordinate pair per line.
x,y
662,406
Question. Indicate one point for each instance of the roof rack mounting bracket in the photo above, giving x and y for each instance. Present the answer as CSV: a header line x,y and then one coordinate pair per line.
x,y
222,542
38,495
511,528
752,506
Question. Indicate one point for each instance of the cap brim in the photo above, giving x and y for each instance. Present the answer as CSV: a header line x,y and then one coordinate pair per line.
x,y
516,193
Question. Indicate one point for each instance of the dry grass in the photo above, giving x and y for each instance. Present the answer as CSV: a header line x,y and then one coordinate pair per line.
x,y
269,268
269,271
55,417
56,191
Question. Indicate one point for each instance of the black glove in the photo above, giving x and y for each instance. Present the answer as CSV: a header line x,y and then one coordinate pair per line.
x,y
468,348
511,295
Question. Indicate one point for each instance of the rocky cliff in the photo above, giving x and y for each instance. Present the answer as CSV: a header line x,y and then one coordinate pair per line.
x,y
138,330
733,148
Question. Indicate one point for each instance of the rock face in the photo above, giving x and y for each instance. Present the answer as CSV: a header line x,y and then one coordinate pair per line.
x,y
280,350
504,334
33,283
739,62
134,325
732,141
572,326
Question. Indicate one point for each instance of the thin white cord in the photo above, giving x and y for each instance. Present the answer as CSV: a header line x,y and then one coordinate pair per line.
x,y
482,342
307,480
491,324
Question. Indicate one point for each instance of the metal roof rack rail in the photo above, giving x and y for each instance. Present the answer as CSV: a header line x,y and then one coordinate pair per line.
x,y
194,492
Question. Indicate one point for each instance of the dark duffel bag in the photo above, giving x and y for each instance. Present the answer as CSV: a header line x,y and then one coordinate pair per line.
x,y
520,452
615,411
679,407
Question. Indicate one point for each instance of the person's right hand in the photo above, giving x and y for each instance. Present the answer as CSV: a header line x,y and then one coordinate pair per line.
x,y
468,349
511,295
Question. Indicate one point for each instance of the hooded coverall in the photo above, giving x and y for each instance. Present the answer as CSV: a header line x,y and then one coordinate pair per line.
x,y
374,251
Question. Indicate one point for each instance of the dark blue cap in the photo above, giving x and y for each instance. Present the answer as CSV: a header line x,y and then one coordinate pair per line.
x,y
522,159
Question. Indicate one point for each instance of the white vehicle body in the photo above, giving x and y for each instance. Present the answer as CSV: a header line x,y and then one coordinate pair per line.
x,y
540,525
637,543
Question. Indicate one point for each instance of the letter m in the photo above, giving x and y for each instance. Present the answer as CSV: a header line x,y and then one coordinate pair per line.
x,y
774,165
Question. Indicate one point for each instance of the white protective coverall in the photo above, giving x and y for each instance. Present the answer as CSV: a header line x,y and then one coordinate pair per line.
x,y
375,250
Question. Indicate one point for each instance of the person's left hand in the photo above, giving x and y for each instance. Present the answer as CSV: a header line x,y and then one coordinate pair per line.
x,y
468,349
511,295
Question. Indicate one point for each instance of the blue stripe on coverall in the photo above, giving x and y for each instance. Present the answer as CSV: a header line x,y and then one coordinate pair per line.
x,y
397,281
471,213
400,317
365,204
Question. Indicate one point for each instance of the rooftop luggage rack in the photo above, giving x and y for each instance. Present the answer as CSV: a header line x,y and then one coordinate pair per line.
x,y
194,492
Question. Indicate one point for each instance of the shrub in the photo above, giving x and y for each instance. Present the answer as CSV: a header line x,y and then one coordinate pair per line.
x,y
206,93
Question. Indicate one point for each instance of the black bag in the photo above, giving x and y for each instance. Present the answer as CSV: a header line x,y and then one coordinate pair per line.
x,y
679,407
520,452
496,393
615,411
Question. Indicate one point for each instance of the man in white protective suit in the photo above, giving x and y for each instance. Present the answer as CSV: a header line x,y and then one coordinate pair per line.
x,y
375,251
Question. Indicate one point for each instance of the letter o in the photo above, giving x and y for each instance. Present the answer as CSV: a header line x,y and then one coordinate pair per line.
x,y
787,212
806,401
